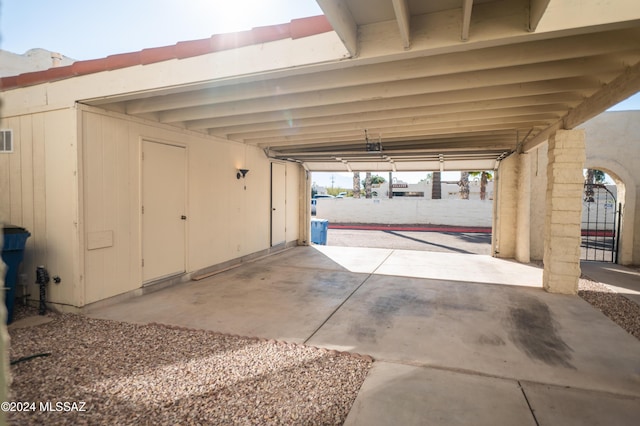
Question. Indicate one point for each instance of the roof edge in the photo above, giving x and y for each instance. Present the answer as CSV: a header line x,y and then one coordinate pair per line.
x,y
295,29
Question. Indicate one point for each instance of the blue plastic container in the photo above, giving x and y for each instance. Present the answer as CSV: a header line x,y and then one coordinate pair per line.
x,y
319,229
15,239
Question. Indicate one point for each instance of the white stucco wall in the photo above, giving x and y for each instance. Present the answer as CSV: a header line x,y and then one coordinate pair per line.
x,y
405,211
613,145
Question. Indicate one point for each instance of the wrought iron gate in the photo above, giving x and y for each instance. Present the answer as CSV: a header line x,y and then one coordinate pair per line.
x,y
600,224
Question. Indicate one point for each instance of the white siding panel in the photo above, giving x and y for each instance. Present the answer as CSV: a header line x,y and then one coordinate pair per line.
x,y
37,182
225,220
107,202
60,199
26,146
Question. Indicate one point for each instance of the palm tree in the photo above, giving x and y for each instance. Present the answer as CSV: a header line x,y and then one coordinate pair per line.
x,y
377,179
436,187
367,185
593,177
464,185
356,184
484,179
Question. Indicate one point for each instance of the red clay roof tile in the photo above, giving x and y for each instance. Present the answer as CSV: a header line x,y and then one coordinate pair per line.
x,y
305,27
232,40
8,82
297,28
31,78
272,33
187,49
123,60
157,54
88,67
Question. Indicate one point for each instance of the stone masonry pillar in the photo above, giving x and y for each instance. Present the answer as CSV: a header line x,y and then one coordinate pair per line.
x,y
565,183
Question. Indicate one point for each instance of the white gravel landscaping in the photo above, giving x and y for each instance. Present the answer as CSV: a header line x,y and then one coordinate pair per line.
x,y
129,374
619,309
155,374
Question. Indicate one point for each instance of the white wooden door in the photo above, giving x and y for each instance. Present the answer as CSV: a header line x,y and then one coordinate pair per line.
x,y
278,203
163,210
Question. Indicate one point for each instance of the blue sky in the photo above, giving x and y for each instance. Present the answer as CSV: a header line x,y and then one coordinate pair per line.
x,y
89,29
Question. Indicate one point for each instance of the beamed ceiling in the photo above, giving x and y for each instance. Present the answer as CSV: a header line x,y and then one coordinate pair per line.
x,y
440,85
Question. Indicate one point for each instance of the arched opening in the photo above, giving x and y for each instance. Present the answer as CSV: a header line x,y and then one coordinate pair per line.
x,y
624,186
600,223
447,211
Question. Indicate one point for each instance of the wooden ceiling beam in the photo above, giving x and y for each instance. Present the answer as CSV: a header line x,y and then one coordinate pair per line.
x,y
445,83
544,112
403,17
342,21
431,66
467,6
537,8
488,109
625,85
534,93
413,132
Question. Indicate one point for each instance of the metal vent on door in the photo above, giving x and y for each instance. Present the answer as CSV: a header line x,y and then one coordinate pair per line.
x,y
6,141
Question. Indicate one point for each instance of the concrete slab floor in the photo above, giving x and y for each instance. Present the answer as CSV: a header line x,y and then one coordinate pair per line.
x,y
576,407
394,238
503,331
461,267
465,339
258,300
396,394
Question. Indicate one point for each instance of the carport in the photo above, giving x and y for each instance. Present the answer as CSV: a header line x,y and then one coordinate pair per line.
x,y
440,85
446,85
456,338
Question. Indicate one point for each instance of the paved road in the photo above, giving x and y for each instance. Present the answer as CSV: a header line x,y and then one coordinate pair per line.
x,y
447,242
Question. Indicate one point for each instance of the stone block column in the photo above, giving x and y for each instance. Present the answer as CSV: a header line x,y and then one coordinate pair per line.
x,y
565,184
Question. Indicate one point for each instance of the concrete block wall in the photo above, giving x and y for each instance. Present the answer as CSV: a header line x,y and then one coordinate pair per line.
x,y
405,211
537,206
449,190
565,184
506,219
523,224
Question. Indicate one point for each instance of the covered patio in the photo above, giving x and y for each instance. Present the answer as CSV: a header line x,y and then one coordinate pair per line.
x,y
227,129
456,339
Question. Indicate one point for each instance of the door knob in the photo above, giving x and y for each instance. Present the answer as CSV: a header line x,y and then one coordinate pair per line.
x,y
183,217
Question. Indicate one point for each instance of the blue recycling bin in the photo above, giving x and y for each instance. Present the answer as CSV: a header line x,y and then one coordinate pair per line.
x,y
319,229
15,239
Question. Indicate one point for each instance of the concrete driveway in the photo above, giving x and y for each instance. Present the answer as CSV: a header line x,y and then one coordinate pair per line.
x,y
457,338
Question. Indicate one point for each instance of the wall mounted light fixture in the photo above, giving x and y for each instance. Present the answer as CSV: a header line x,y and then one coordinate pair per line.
x,y
242,173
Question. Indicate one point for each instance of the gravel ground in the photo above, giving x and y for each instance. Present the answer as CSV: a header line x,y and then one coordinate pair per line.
x,y
155,374
616,307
